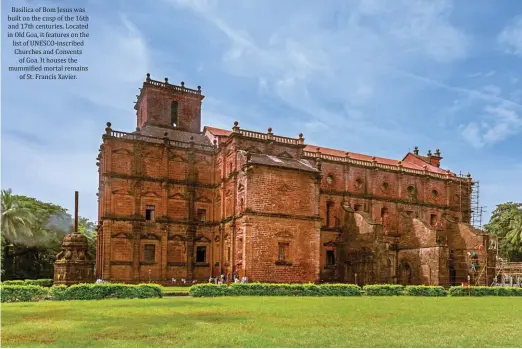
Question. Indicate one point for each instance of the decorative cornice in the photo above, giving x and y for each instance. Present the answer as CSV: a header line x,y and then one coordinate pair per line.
x,y
278,215
183,182
157,222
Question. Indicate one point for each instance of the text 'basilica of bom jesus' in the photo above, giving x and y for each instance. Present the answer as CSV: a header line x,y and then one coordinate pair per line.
x,y
179,202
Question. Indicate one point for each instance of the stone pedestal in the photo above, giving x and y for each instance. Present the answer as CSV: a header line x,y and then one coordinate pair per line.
x,y
73,264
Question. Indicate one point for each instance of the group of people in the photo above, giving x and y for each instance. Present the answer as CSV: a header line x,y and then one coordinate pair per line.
x,y
225,279
183,281
222,279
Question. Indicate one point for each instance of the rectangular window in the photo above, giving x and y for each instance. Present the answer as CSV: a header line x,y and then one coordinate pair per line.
x,y
283,252
202,215
433,219
174,113
329,206
330,258
149,253
149,212
201,254
228,256
357,208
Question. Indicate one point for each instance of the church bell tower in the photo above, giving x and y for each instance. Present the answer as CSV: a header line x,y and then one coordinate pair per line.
x,y
162,104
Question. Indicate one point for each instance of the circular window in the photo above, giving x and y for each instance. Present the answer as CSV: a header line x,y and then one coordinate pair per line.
x,y
385,186
329,179
358,183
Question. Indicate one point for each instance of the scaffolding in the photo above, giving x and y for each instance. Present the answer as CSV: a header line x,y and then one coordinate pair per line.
x,y
469,201
506,273
476,210
470,267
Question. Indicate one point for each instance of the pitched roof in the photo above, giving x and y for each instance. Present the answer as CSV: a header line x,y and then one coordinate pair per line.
x,y
217,131
407,161
270,160
356,156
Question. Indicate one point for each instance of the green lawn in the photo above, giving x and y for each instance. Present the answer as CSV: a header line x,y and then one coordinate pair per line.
x,y
266,322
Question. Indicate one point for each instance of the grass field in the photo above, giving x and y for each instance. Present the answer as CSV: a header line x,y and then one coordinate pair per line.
x,y
266,322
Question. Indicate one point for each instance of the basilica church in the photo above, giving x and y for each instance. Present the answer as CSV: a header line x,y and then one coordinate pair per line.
x,y
180,201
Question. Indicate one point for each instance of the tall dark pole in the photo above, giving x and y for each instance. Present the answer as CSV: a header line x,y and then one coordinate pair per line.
x,y
75,211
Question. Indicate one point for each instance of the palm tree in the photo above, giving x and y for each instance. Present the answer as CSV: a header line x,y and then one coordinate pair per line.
x,y
16,223
16,218
514,234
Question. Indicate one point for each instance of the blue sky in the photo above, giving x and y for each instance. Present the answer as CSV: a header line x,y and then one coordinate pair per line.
x,y
375,77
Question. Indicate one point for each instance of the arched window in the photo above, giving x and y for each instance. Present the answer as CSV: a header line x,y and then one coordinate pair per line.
x,y
412,192
174,113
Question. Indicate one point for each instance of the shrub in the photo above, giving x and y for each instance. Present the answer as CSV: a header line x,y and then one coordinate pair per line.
x,y
383,290
259,289
58,292
22,293
481,291
13,282
149,291
508,291
208,290
40,282
425,291
103,291
339,290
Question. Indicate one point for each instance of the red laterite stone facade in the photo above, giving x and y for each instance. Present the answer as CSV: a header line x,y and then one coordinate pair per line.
x,y
178,202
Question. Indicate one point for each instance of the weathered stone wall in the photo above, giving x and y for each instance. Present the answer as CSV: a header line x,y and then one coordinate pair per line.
x,y
263,235
381,224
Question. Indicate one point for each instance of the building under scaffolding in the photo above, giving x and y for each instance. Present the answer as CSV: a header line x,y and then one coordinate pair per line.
x,y
472,266
470,207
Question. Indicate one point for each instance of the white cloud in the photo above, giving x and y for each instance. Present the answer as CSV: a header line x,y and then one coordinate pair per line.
x,y
510,38
120,56
499,122
298,56
472,134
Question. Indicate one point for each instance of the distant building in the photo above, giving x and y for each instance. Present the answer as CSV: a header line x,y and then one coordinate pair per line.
x,y
176,202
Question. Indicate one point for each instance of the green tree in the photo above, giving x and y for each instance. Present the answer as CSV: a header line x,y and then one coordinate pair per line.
x,y
506,223
29,249
514,235
16,223
88,229
16,217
